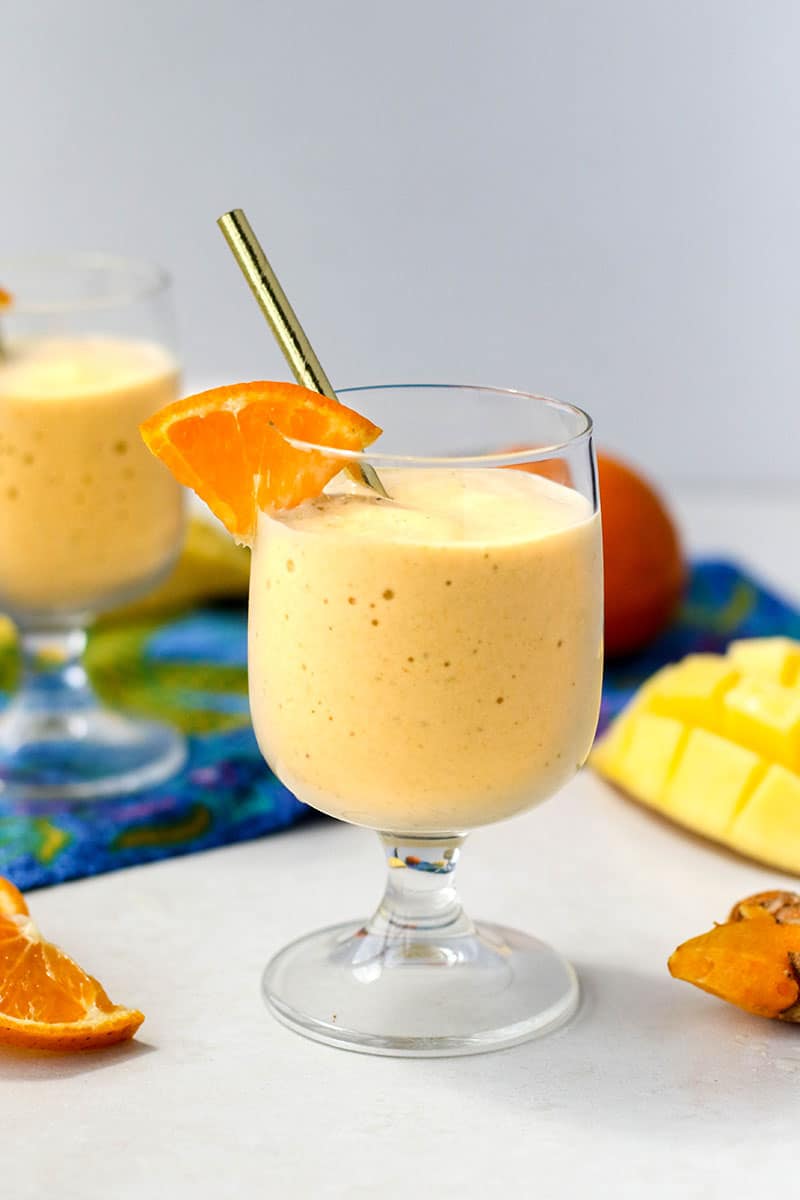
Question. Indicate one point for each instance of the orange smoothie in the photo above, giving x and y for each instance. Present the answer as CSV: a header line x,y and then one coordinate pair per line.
x,y
87,515
431,663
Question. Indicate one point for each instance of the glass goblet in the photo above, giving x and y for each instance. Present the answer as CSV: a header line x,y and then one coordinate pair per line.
x,y
88,519
424,666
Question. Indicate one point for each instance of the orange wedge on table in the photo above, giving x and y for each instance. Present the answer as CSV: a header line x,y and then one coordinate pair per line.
x,y
230,446
47,1002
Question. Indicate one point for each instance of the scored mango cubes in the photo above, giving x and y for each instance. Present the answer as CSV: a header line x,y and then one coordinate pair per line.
x,y
644,757
768,827
765,717
693,690
776,659
713,743
716,772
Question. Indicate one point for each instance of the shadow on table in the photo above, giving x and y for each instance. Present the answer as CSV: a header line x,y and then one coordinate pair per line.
x,y
642,1053
46,1065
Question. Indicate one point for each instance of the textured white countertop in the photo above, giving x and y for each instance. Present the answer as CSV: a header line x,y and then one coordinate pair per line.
x,y
655,1090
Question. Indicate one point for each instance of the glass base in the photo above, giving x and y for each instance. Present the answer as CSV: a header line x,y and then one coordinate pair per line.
x,y
423,994
82,754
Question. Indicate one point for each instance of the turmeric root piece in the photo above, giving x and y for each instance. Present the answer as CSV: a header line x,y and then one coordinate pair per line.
x,y
753,960
783,907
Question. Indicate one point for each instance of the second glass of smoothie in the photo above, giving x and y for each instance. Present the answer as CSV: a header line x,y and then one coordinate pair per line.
x,y
88,519
423,666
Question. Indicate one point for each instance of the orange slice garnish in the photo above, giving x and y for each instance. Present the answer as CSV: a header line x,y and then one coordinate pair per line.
x,y
47,1002
229,445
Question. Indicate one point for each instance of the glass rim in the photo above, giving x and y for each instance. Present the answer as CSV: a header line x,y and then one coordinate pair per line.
x,y
152,280
498,458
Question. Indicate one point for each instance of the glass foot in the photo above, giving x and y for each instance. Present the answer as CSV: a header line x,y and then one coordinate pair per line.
x,y
419,978
466,994
83,754
57,741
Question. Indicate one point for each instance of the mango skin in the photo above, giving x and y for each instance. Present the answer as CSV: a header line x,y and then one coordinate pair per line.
x,y
713,743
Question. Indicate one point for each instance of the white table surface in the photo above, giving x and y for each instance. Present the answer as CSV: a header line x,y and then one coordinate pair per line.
x,y
655,1090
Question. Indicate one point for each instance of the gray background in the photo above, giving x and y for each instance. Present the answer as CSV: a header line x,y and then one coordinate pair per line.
x,y
592,198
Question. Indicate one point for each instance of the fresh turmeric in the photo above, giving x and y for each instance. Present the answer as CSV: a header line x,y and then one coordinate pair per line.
x,y
753,960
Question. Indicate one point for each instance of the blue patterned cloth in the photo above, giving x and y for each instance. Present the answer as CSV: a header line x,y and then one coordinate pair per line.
x,y
723,602
191,669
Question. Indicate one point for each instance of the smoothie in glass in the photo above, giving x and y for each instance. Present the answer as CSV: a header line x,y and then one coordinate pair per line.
x,y
425,651
85,512
430,663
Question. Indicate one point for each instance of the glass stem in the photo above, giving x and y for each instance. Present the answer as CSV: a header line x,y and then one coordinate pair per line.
x,y
54,679
420,903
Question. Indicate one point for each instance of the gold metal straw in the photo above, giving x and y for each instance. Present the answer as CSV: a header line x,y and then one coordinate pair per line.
x,y
271,298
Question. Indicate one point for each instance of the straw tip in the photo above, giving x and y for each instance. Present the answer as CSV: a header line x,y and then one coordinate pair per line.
x,y
232,215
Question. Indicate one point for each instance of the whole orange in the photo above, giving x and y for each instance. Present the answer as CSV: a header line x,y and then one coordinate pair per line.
x,y
642,559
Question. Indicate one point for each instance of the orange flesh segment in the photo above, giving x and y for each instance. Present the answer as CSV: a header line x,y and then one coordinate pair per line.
x,y
12,901
46,1000
6,299
229,445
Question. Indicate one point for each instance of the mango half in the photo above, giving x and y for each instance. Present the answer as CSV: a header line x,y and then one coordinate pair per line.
x,y
713,743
